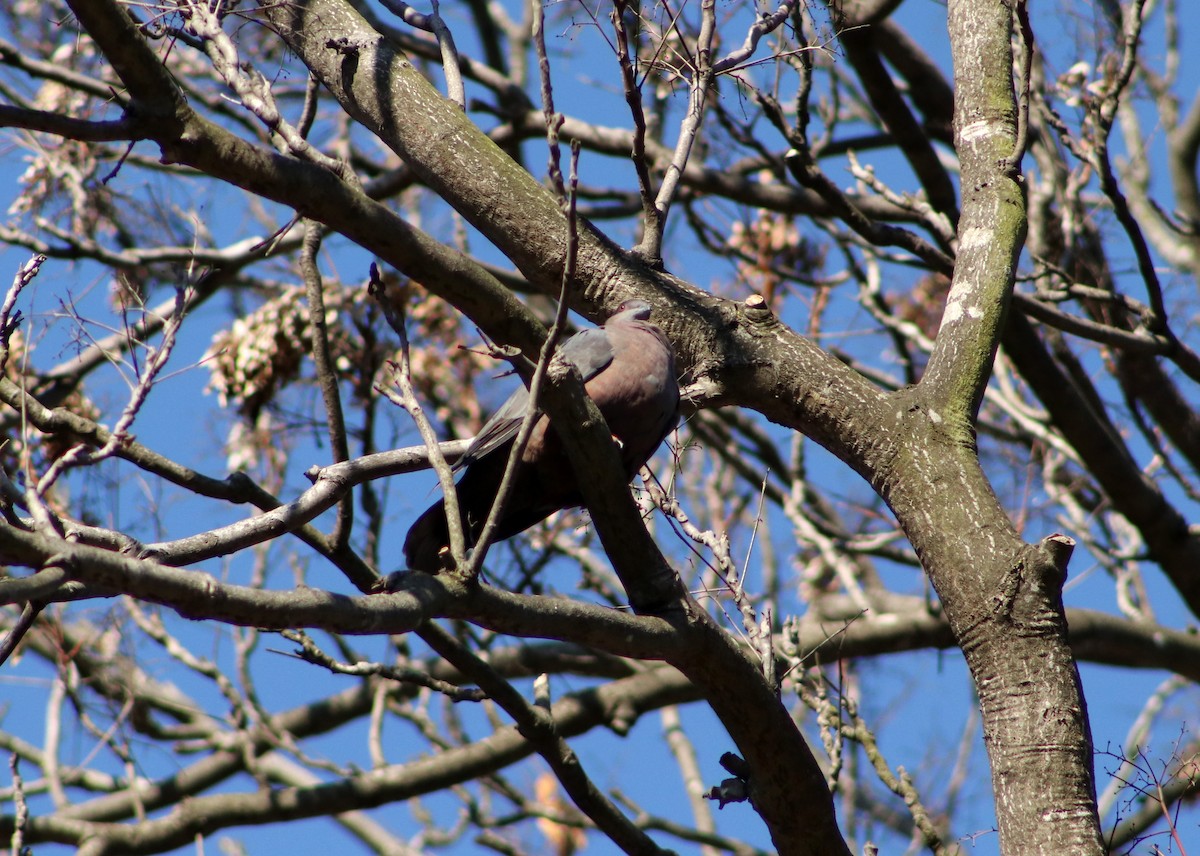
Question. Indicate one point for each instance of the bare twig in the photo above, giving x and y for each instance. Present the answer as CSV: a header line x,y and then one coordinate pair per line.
x,y
310,652
1012,163
434,23
10,319
553,120
327,378
537,725
29,614
392,311
626,57
17,841
936,221
543,364
800,163
1136,739
684,752
703,73
254,90
840,715
81,455
764,24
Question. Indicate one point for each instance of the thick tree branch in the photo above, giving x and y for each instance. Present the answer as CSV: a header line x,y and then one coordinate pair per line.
x,y
993,221
573,715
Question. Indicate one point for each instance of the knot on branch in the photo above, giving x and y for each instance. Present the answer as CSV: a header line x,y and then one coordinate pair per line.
x,y
622,717
1056,549
560,369
351,45
1030,594
351,49
1028,597
757,313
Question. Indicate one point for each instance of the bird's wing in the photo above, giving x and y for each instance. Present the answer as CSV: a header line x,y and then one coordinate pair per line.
x,y
589,351
500,428
638,394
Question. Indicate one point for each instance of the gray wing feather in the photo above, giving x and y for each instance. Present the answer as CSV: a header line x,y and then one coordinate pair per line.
x,y
589,351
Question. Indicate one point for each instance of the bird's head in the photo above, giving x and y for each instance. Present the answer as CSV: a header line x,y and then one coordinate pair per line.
x,y
634,309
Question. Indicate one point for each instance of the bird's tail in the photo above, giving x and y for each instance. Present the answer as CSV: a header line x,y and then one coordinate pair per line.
x,y
430,534
426,539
